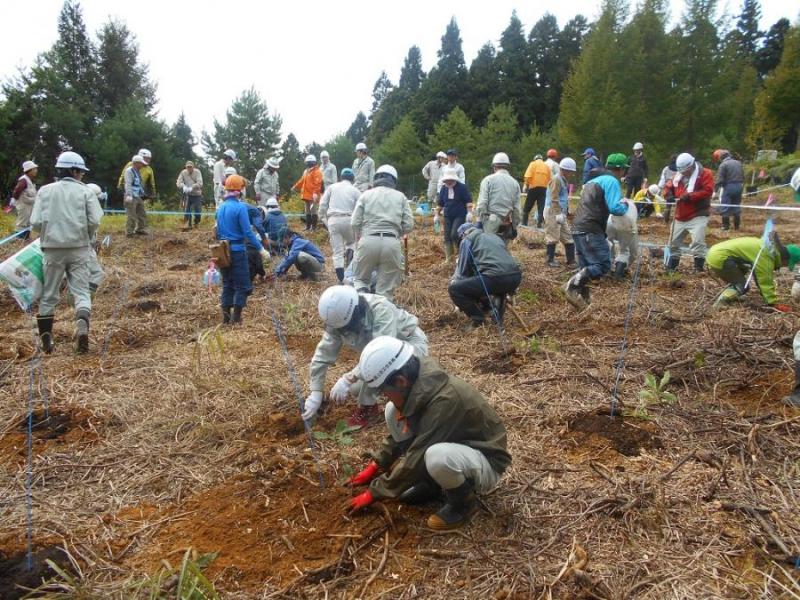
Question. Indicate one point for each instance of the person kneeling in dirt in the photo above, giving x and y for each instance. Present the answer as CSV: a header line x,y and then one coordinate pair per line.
x,y
486,272
732,261
601,197
303,254
443,436
354,319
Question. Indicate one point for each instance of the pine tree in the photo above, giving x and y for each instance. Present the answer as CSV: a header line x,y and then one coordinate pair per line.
x,y
380,90
544,47
292,163
456,131
499,135
403,149
412,75
73,56
357,132
748,35
769,55
183,140
483,83
517,79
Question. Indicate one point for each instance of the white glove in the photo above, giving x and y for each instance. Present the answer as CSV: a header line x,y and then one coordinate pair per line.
x,y
559,218
796,291
660,216
436,219
311,405
187,189
341,389
470,217
265,255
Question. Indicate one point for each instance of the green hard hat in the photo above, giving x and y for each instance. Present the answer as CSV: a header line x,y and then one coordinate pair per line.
x,y
617,161
794,255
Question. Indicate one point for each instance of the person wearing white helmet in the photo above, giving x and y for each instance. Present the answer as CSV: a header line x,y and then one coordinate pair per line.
x,y
23,197
381,216
691,188
648,201
335,211
445,439
431,172
67,215
275,225
455,204
190,184
310,187
353,320
146,172
330,174
556,211
451,157
363,168
227,160
267,183
636,175
498,200
136,222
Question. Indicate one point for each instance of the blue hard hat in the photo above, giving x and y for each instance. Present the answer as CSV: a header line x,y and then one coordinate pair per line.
x,y
347,173
589,151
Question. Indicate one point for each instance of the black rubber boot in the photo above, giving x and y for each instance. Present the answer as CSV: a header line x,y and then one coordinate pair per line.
x,y
551,255
793,399
499,303
569,249
236,316
737,221
421,493
525,217
348,257
672,264
620,268
82,331
726,223
314,221
340,274
461,505
45,325
226,315
699,264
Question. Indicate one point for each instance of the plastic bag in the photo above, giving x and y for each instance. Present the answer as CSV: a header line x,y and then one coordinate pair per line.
x,y
211,277
24,274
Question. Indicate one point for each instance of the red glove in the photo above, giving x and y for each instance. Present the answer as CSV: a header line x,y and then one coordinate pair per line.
x,y
784,308
368,474
363,500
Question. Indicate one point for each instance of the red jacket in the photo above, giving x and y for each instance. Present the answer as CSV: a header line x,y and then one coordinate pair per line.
x,y
699,202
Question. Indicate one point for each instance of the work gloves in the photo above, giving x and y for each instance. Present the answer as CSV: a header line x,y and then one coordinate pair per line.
x,y
311,405
370,472
187,189
265,255
784,308
363,500
341,389
436,220
559,218
470,217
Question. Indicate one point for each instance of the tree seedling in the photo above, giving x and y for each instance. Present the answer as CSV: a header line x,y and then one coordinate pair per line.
x,y
654,392
341,436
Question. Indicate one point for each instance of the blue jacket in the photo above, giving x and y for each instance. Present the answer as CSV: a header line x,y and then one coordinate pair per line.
x,y
275,224
600,197
256,220
563,196
233,224
591,163
457,207
298,245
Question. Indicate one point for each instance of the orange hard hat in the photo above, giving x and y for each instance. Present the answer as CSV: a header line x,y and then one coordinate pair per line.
x,y
235,183
552,153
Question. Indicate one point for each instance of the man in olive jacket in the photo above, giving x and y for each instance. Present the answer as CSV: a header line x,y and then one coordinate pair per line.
x,y
443,436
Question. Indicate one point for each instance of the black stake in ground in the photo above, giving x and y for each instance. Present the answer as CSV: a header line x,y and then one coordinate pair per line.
x,y
624,349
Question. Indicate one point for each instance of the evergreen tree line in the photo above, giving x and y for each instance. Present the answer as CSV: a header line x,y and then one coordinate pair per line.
x,y
710,81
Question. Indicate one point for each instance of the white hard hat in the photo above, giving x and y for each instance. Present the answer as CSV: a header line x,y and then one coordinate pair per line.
x,y
449,174
568,164
230,154
501,158
28,165
95,188
70,160
145,153
684,161
361,146
137,158
273,203
381,357
310,158
337,305
324,154
441,154
388,169
653,189
273,162
638,146
230,171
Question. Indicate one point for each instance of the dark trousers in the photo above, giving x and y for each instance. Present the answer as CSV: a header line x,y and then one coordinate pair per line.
x,y
468,293
194,204
236,285
451,228
634,185
535,196
593,253
255,265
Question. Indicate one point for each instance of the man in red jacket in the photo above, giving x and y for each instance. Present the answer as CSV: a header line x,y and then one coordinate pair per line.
x,y
691,188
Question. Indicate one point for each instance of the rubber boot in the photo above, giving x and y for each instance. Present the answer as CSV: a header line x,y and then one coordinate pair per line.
x,y
620,269
340,274
82,331
348,257
307,221
576,290
525,217
551,255
569,249
737,221
448,253
425,491
461,505
499,303
45,325
699,264
672,264
793,399
236,316
314,220
726,223
226,315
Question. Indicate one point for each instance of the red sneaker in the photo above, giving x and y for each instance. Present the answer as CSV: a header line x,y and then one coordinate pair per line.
x,y
364,416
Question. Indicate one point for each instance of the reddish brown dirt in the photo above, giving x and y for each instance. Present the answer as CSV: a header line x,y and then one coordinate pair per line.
x,y
502,362
626,436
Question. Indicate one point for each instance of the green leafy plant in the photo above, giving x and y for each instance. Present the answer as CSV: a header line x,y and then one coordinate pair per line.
x,y
654,392
209,344
188,582
528,297
341,436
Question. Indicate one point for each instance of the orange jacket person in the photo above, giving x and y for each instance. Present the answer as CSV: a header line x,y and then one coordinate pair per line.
x,y
310,186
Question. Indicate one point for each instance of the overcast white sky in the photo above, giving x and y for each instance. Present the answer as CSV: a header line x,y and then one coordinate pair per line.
x,y
313,62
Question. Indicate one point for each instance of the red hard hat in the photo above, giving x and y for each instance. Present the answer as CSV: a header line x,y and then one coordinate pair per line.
x,y
552,153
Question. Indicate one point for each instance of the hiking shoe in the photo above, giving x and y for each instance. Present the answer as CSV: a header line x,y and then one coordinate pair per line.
x,y
729,294
81,336
575,293
364,416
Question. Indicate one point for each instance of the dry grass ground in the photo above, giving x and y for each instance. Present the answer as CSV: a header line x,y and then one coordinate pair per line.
x,y
163,439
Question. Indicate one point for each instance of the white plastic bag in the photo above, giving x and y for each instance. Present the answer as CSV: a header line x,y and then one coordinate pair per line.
x,y
24,274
